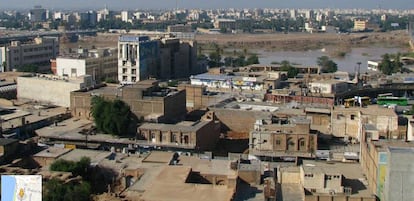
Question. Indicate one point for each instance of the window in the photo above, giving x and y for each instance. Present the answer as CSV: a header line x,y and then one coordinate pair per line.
x,y
278,142
328,177
302,143
352,117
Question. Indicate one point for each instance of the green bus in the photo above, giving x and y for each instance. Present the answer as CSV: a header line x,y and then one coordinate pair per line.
x,y
392,100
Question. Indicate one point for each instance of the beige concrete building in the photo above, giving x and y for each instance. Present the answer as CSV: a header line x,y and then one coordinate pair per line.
x,y
375,157
200,135
227,24
179,28
323,181
327,86
39,52
50,89
46,157
101,64
349,122
283,137
146,99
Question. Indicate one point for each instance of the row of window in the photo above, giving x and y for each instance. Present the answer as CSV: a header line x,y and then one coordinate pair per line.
x,y
174,138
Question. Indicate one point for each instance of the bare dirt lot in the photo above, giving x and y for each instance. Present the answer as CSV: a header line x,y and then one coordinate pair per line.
x,y
304,41
278,41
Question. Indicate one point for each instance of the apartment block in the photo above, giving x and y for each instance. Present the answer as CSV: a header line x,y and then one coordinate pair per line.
x,y
38,52
101,64
138,58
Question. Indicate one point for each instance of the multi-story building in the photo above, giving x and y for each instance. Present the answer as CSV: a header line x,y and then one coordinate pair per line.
x,y
138,58
146,99
200,135
387,166
38,14
400,174
320,177
283,137
101,64
125,16
178,58
179,28
349,122
227,24
39,52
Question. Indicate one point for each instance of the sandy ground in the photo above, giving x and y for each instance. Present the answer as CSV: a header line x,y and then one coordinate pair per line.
x,y
277,41
303,41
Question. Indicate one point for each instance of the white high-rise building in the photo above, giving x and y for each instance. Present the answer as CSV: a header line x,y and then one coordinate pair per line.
x,y
138,58
125,16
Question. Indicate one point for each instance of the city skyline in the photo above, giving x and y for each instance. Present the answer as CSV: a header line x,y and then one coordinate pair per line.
x,y
212,4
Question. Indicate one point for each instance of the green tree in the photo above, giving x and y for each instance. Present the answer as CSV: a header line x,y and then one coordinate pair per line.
x,y
228,61
327,65
252,59
214,59
390,64
111,117
76,168
291,71
55,190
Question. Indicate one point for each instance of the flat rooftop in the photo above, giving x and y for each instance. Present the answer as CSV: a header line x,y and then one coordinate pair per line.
x,y
383,145
352,172
170,185
52,152
95,156
185,126
369,110
70,130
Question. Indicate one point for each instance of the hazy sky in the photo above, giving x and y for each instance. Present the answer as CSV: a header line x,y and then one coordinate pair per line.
x,y
162,4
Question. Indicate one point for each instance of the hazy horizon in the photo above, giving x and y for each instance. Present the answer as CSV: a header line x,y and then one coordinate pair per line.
x,y
206,4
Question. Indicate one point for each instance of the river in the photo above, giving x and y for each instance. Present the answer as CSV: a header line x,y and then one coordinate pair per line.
x,y
347,63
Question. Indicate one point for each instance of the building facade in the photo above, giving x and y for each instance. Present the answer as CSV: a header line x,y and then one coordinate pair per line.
x,y
283,137
200,135
50,89
146,100
38,53
179,28
101,64
138,58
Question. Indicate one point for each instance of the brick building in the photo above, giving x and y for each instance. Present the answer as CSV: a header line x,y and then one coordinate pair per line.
x,y
146,99
283,137
200,135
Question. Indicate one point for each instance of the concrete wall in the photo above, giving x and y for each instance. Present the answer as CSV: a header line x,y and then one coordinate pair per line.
x,y
400,175
346,123
56,92
65,66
